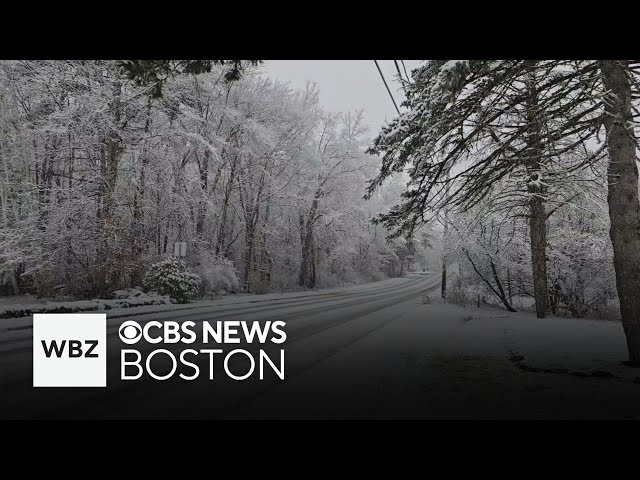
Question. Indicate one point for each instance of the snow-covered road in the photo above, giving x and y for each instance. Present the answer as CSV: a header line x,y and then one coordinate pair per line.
x,y
371,351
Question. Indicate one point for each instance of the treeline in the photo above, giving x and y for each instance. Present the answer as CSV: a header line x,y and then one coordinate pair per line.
x,y
100,176
527,156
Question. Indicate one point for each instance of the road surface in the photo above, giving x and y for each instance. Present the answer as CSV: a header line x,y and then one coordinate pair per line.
x,y
318,324
371,351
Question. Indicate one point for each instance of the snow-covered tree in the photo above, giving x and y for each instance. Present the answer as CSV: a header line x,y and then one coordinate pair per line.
x,y
99,178
471,125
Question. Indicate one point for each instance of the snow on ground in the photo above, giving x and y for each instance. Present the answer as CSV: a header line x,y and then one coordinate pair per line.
x,y
445,361
124,299
26,321
386,354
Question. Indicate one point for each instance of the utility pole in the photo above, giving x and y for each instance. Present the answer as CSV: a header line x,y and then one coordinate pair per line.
x,y
443,290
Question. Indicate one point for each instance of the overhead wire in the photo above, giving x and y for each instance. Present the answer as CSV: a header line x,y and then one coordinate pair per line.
x,y
387,86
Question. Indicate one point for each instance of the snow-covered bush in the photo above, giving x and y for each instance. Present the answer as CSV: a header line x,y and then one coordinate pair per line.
x,y
217,273
457,296
171,277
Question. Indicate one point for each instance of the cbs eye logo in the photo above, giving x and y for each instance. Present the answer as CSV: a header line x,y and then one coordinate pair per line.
x,y
130,332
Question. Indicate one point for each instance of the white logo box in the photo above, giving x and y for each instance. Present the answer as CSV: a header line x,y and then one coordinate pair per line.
x,y
61,368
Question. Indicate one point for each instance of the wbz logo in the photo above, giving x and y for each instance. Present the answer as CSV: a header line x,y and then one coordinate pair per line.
x,y
75,348
69,350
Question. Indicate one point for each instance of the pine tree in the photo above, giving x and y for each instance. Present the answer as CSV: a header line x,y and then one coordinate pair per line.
x,y
529,123
474,125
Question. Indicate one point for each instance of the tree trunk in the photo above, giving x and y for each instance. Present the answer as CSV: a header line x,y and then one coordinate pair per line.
x,y
443,286
140,242
624,205
307,275
109,159
537,215
204,192
308,261
248,256
503,297
251,222
222,233
538,235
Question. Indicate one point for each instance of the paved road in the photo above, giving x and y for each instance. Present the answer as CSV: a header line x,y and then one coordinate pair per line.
x,y
372,351
319,326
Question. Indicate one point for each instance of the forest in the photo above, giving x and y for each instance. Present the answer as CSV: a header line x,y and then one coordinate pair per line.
x,y
100,176
517,179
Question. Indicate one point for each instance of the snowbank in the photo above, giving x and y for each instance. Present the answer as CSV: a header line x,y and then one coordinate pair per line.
x,y
124,299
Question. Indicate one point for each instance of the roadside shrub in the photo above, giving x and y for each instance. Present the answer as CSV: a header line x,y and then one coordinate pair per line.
x,y
458,296
171,277
218,273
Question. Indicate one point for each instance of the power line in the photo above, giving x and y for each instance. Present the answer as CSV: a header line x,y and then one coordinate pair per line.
x,y
388,90
397,68
403,81
405,71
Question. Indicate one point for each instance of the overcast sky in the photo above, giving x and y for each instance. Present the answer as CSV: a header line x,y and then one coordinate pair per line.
x,y
346,84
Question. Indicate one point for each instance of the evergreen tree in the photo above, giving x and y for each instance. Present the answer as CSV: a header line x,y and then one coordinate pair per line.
x,y
474,126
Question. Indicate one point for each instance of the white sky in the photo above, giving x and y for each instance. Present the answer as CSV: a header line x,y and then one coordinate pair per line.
x,y
346,85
